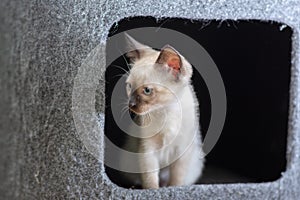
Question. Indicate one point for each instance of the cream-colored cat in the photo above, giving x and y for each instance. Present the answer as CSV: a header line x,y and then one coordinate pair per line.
x,y
166,108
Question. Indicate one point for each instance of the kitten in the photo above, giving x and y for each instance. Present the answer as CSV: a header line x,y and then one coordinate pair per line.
x,y
163,100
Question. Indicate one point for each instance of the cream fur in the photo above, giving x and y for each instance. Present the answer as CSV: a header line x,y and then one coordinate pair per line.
x,y
177,146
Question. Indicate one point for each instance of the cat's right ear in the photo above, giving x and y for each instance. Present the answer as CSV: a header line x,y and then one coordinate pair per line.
x,y
134,49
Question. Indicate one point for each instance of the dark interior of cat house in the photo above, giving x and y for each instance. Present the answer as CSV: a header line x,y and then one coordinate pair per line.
x,y
254,60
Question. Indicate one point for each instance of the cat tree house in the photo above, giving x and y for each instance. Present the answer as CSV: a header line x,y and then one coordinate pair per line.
x,y
43,46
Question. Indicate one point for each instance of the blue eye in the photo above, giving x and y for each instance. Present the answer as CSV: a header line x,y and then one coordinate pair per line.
x,y
147,91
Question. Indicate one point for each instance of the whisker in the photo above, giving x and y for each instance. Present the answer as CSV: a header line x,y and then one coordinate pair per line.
x,y
119,67
123,103
119,75
123,111
124,108
127,64
125,99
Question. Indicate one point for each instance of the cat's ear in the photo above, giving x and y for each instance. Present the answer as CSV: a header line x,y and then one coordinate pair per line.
x,y
170,57
180,68
135,50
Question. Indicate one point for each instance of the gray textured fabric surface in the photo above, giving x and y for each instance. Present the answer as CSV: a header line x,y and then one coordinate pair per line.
x,y
43,43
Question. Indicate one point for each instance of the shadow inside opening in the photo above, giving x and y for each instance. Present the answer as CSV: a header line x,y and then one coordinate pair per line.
x,y
254,59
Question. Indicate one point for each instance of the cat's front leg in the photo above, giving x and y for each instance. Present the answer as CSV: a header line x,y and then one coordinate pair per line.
x,y
178,172
150,175
187,169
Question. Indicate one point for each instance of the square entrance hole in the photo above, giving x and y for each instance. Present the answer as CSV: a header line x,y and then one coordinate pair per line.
x,y
254,60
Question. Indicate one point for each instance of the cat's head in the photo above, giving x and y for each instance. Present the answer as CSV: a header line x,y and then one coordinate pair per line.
x,y
156,78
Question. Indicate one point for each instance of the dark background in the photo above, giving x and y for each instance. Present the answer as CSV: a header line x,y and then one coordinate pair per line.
x,y
254,59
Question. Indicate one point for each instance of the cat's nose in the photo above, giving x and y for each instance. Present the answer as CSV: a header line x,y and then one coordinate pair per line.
x,y
134,100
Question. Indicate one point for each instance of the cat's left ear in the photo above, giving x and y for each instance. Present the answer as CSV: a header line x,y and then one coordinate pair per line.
x,y
176,63
135,50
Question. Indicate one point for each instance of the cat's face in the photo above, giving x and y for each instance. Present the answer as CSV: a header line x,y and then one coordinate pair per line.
x,y
156,78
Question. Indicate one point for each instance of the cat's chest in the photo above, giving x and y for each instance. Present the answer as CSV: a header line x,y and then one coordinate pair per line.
x,y
170,131
168,149
168,141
